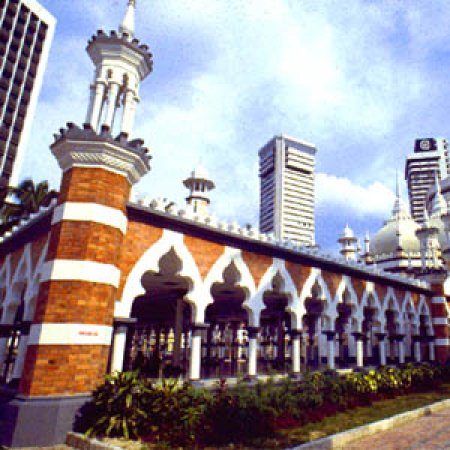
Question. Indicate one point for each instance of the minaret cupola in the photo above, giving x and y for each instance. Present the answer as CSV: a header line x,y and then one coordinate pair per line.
x,y
348,243
121,63
199,185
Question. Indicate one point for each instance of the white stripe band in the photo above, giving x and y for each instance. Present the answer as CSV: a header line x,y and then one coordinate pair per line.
x,y
438,300
68,269
69,334
91,212
440,321
441,341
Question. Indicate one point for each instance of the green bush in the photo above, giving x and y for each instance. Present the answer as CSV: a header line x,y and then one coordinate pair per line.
x,y
175,414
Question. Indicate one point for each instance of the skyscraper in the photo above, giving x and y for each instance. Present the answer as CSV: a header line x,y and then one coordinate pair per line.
x,y
286,171
26,33
430,158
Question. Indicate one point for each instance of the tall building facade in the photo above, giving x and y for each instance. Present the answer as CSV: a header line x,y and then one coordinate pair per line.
x,y
430,158
26,33
286,171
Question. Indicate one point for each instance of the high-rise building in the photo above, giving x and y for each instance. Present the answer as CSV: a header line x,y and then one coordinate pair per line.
x,y
286,171
26,32
430,158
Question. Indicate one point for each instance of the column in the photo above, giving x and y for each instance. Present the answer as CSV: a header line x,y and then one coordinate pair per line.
x,y
129,109
417,353
330,334
176,359
296,348
195,360
431,349
382,347
21,352
113,91
119,343
401,348
252,351
359,349
95,111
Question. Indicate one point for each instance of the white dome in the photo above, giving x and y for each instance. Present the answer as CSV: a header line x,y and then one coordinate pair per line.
x,y
396,231
200,173
347,233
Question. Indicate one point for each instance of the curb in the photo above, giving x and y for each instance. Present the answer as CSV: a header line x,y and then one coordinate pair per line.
x,y
81,442
339,440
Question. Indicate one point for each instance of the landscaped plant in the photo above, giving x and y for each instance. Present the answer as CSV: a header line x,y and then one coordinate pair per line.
x,y
178,414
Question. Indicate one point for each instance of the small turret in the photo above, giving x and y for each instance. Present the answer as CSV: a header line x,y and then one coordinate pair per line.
x,y
199,185
348,242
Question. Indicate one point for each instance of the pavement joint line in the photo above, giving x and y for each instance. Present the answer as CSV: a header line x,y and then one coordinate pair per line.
x,y
338,440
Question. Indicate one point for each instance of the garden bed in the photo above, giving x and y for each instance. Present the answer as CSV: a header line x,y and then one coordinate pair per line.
x,y
267,415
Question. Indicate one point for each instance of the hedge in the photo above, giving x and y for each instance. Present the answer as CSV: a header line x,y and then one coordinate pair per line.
x,y
178,414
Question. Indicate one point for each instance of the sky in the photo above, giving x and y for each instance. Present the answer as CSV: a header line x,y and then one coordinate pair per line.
x,y
361,79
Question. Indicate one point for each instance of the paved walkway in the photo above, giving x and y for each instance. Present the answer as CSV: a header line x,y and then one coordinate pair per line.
x,y
430,432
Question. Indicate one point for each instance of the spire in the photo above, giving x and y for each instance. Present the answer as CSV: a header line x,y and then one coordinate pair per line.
x,y
439,205
400,210
127,25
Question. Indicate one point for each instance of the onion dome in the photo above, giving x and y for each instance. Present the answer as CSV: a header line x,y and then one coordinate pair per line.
x,y
398,232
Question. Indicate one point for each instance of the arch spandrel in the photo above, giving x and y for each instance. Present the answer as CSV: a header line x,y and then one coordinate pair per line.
x,y
37,247
381,291
205,253
359,285
332,280
400,295
257,264
139,238
299,274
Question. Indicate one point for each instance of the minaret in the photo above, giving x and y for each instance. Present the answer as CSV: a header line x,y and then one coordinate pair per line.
x,y
427,236
199,185
120,65
70,337
439,205
367,256
348,242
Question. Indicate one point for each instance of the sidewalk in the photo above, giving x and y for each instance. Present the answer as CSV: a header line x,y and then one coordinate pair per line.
x,y
430,432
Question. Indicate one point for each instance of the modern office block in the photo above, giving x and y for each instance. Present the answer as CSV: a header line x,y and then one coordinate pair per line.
x,y
286,171
430,158
26,32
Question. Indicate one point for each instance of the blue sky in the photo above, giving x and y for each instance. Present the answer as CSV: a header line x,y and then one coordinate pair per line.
x,y
360,79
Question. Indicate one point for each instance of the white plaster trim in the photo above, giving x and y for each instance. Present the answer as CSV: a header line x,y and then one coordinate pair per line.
x,y
440,321
69,334
67,269
438,300
91,212
442,341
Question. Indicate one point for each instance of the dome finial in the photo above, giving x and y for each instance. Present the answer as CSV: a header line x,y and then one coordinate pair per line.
x,y
397,184
127,25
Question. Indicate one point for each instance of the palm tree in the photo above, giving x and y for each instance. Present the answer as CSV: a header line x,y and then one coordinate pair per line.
x,y
23,200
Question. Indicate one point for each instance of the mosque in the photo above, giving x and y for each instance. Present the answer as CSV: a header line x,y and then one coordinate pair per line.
x,y
97,282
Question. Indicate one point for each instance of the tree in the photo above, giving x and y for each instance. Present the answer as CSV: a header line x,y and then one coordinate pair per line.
x,y
21,201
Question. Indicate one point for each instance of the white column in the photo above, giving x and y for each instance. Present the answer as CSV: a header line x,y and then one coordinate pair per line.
x,y
359,351
296,350
113,91
196,350
401,351
431,350
20,360
382,350
94,113
417,355
129,110
331,349
118,350
252,351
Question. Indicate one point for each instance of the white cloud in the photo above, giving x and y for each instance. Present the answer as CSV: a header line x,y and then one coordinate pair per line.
x,y
344,195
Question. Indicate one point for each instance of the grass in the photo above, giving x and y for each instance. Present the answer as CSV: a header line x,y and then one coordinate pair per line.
x,y
330,425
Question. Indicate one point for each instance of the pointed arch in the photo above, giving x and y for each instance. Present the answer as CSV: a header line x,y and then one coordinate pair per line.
x,y
371,292
246,282
149,261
